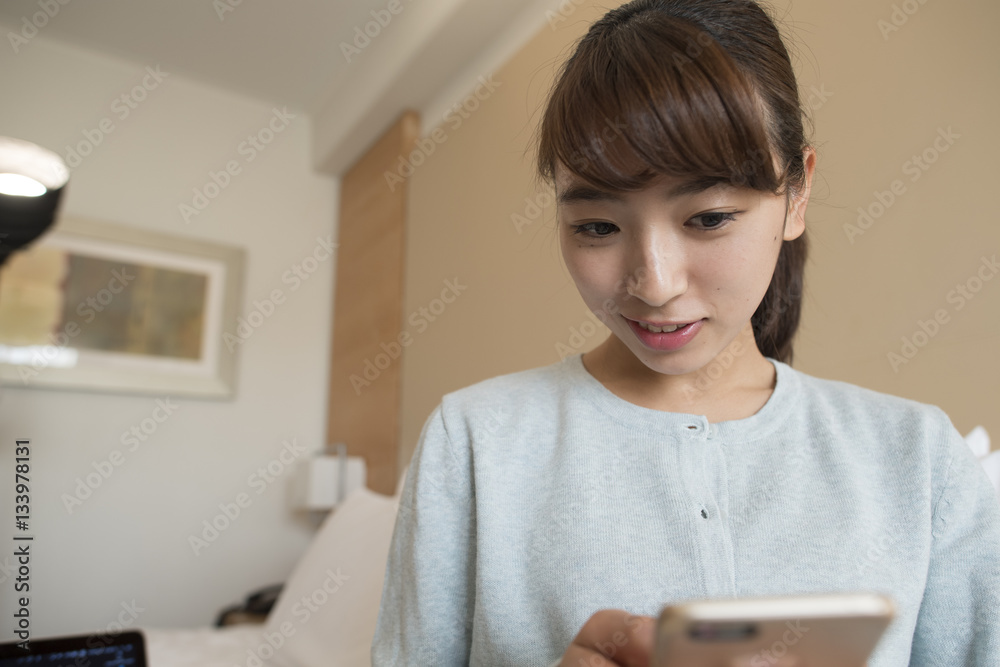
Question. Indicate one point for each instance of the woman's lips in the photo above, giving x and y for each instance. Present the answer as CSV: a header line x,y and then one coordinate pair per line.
x,y
660,325
669,342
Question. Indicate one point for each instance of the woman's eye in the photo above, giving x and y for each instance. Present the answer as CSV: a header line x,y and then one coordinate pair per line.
x,y
715,220
597,229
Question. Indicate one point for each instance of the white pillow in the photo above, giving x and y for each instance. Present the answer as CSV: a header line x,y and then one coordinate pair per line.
x,y
979,440
327,610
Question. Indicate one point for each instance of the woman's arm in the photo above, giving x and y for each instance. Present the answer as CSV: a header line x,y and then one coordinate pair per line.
x,y
959,620
428,597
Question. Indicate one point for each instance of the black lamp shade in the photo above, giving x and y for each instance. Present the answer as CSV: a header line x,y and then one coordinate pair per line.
x,y
23,218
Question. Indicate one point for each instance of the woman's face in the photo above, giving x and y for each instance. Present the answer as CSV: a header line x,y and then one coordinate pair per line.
x,y
674,255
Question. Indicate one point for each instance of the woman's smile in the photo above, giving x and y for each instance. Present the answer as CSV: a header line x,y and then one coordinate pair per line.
x,y
667,338
675,270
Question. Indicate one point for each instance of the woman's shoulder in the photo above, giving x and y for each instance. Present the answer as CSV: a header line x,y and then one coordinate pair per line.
x,y
533,383
524,398
852,404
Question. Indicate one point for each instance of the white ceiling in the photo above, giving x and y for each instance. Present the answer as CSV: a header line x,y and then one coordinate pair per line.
x,y
290,53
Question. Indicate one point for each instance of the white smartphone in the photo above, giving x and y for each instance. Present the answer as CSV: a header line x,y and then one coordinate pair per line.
x,y
839,630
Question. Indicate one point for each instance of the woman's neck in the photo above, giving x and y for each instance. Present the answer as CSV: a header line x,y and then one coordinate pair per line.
x,y
733,386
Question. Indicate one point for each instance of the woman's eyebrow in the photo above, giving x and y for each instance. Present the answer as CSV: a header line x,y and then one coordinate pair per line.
x,y
581,193
587,193
694,186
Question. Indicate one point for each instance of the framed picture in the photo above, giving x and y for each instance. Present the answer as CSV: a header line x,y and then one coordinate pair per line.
x,y
111,308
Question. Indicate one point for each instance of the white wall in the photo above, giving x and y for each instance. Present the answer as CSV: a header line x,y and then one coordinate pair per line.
x,y
129,540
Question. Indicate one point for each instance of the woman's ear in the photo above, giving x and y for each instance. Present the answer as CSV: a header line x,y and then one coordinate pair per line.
x,y
795,220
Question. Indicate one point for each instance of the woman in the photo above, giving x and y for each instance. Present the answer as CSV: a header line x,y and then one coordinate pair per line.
x,y
548,515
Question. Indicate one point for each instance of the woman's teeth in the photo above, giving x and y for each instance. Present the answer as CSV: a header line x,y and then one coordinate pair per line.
x,y
666,329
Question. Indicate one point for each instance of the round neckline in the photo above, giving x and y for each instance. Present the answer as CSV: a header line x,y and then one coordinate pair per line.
x,y
757,425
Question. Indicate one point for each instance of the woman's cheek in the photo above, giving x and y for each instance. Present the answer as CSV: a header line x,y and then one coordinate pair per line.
x,y
591,273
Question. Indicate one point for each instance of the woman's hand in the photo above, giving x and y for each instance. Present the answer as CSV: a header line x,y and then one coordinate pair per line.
x,y
612,637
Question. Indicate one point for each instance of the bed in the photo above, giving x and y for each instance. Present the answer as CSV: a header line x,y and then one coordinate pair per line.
x,y
326,613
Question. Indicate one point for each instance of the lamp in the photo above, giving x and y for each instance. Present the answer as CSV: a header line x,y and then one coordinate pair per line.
x,y
324,481
32,181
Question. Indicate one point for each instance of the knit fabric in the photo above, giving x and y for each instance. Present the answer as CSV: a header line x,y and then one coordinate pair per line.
x,y
536,498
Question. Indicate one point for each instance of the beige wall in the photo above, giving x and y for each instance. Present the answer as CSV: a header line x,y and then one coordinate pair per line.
x,y
885,100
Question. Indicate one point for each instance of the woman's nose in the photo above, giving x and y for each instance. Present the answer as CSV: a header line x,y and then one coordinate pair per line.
x,y
658,273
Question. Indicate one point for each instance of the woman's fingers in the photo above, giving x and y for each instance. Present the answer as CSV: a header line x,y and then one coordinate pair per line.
x,y
612,637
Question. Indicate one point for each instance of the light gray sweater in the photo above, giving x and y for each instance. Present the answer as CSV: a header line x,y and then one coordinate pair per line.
x,y
537,498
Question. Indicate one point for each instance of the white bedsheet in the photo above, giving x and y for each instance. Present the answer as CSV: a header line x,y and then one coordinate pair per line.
x,y
326,614
234,646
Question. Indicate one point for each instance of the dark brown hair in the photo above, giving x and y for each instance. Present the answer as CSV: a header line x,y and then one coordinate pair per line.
x,y
699,89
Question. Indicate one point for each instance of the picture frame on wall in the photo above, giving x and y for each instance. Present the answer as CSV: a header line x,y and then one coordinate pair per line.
x,y
103,307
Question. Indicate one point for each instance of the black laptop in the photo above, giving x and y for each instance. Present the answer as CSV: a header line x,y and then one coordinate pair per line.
x,y
124,649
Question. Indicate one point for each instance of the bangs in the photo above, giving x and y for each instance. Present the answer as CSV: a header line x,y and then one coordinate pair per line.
x,y
655,96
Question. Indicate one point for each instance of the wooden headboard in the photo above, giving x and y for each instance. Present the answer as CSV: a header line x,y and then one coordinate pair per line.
x,y
364,396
